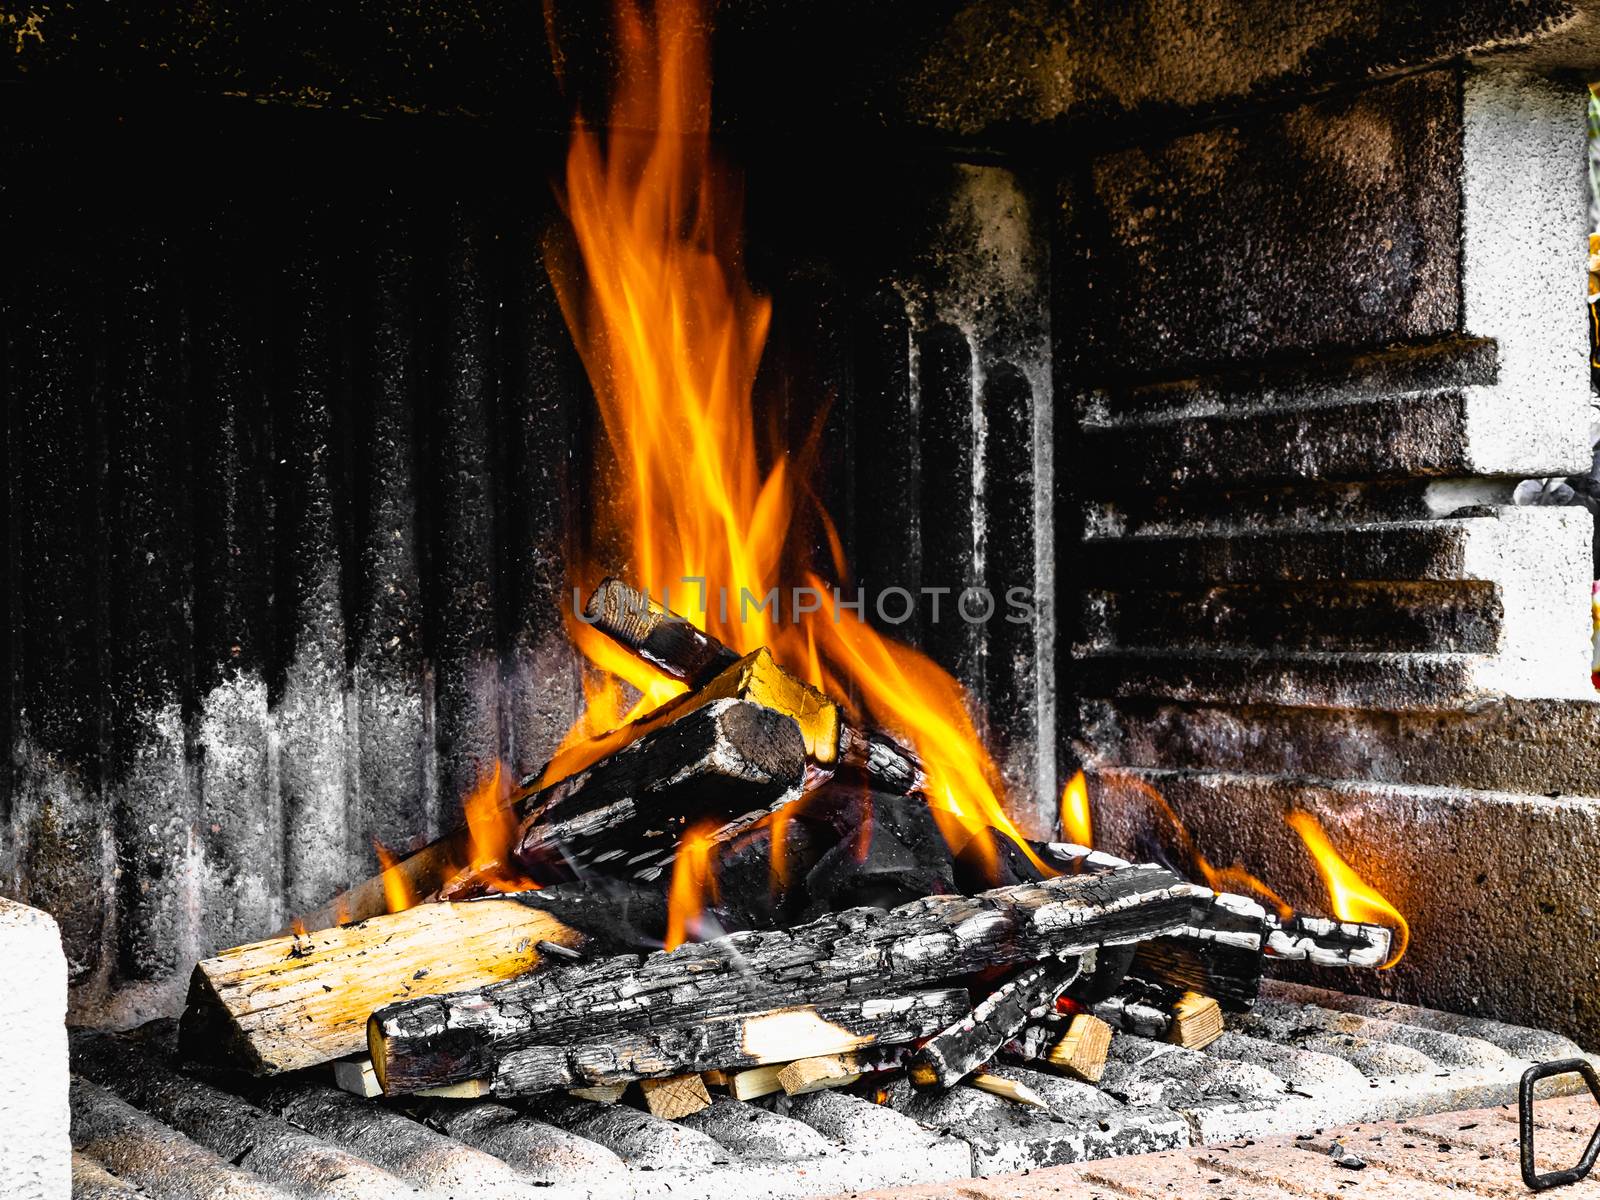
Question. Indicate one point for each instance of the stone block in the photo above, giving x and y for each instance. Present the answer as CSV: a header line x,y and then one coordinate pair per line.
x,y
1498,888
36,1161
1349,207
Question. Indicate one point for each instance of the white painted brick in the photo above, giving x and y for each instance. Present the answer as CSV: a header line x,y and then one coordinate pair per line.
x,y
35,1147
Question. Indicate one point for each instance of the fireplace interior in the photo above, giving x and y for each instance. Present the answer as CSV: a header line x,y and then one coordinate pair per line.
x,y
1212,345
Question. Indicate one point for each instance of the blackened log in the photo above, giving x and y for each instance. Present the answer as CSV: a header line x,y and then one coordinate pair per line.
x,y
1230,974
1327,943
954,1053
729,759
860,952
880,758
727,1043
668,642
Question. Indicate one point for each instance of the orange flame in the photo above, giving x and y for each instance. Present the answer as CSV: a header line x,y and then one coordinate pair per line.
x,y
1221,879
1077,825
670,334
1352,898
398,893
694,884
492,833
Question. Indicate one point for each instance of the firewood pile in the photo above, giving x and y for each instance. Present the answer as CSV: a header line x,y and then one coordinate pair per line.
x,y
845,940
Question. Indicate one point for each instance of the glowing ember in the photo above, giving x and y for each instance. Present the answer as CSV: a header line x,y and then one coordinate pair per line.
x,y
671,334
1076,823
694,885
1352,898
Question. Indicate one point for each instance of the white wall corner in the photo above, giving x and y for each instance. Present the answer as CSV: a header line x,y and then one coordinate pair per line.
x,y
1524,249
1540,560
35,1146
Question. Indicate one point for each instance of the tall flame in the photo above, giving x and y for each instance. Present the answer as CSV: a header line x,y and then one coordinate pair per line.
x,y
1077,825
671,334
1352,898
398,893
694,885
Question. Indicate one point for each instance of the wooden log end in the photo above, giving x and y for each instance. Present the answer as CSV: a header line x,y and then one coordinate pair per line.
x,y
675,1097
813,1074
1082,1052
1196,1021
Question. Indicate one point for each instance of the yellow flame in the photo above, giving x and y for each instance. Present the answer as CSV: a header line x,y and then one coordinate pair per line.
x,y
671,334
397,891
1077,825
694,885
1352,898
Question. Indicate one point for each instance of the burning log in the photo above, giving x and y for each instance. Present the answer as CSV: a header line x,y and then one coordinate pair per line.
x,y
296,1001
668,642
677,648
446,1039
626,811
728,1043
956,1052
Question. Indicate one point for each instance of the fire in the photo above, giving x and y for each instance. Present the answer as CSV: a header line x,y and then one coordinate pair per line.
x,y
694,885
1221,879
1352,898
1076,823
398,893
671,334
491,832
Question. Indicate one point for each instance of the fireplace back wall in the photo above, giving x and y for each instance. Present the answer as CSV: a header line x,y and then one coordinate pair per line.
x,y
297,447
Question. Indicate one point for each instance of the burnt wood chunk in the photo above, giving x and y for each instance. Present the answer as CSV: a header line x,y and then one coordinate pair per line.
x,y
1328,943
954,1053
728,1043
300,1000
670,643
442,1039
727,759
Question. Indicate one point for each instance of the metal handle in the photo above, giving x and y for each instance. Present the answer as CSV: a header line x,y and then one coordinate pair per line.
x,y
1560,1066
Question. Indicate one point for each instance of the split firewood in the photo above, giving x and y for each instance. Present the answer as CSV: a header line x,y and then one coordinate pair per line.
x,y
444,1039
356,1076
1149,1010
756,1082
1075,1046
997,1085
727,1042
1196,1021
648,769
300,1000
814,1074
678,1096
954,1053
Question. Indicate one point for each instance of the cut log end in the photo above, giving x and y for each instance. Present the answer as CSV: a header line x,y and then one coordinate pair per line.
x,y
1196,1021
676,1097
1081,1053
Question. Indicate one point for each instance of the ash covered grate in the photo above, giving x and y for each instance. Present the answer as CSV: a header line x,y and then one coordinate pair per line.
x,y
1302,1060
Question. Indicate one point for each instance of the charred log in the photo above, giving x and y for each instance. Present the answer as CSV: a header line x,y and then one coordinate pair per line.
x,y
954,1053
728,1043
444,1039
